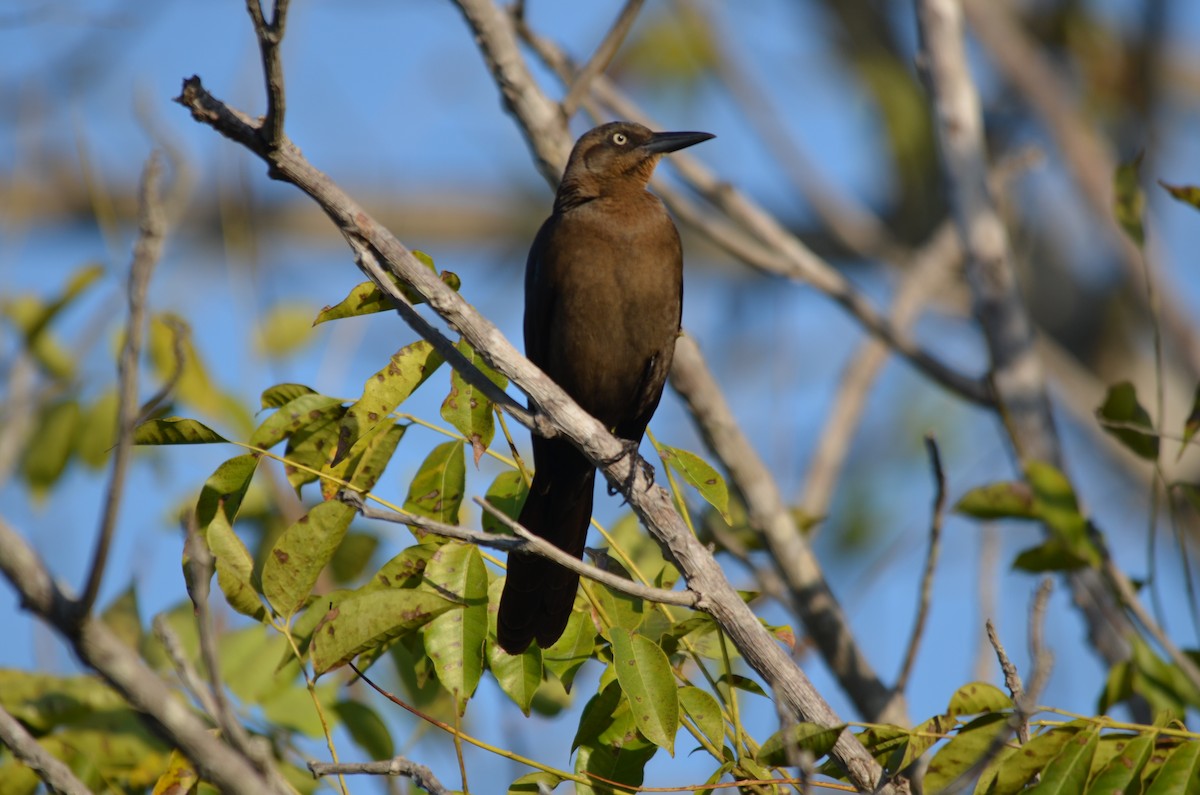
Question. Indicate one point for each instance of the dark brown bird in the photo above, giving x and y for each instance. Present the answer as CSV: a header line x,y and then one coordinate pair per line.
x,y
603,296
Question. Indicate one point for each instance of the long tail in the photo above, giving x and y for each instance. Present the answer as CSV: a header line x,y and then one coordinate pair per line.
x,y
538,593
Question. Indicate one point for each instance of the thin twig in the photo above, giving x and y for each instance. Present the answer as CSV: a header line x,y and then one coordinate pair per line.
x,y
188,675
525,542
1023,704
146,252
1012,678
57,776
421,775
935,542
601,57
197,572
270,36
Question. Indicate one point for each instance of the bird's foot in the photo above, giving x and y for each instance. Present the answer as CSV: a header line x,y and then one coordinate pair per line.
x,y
630,448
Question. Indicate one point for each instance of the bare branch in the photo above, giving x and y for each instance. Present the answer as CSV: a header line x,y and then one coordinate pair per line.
x,y
421,775
1024,701
270,36
25,747
935,540
1016,370
601,58
929,269
124,669
1012,679
146,252
811,597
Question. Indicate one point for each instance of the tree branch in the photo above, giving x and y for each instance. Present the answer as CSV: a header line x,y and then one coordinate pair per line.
x,y
151,232
122,668
925,597
601,58
25,747
421,775
811,597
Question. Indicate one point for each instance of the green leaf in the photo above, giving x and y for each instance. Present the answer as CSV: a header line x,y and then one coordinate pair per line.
x,y
97,434
705,712
507,492
817,740
366,620
645,675
454,640
122,617
51,445
467,408
352,556
977,698
609,743
405,570
533,783
284,329
235,568
301,552
1032,757
311,445
292,708
1122,416
367,729
1068,771
303,411
1051,556
1010,499
573,649
1058,509
281,394
1188,194
702,477
408,368
179,777
519,675
1191,424
175,430
437,489
174,358
1129,200
364,465
1126,765
366,298
225,489
962,751
1180,774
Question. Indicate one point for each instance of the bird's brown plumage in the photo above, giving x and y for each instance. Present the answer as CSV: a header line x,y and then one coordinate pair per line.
x,y
603,296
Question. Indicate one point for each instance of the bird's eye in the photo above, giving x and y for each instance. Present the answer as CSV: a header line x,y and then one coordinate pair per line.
x,y
620,139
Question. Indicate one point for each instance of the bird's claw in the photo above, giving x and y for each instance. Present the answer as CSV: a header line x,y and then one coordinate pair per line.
x,y
630,448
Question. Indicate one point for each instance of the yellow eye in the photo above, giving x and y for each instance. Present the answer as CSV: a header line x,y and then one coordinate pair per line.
x,y
620,139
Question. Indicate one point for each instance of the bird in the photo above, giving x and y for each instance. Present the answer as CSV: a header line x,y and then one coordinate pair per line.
x,y
603,305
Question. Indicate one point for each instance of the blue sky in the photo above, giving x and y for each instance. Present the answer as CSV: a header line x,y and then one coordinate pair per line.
x,y
394,96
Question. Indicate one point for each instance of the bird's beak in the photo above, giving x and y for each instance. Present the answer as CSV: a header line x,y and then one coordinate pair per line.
x,y
663,142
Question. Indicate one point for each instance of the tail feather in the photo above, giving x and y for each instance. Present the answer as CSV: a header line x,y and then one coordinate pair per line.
x,y
538,593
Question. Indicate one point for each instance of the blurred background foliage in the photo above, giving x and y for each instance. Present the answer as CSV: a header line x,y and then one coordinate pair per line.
x,y
821,116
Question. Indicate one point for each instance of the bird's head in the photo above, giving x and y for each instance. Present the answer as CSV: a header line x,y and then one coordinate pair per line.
x,y
618,156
